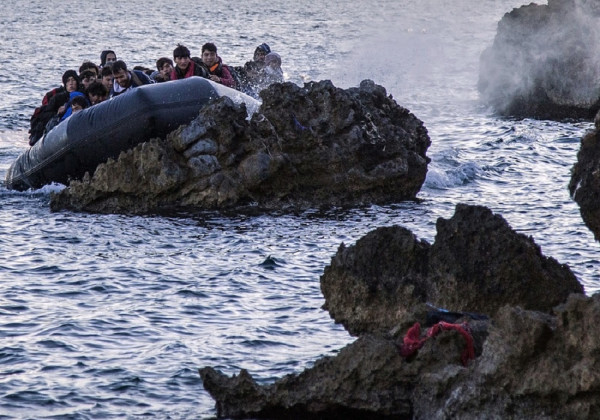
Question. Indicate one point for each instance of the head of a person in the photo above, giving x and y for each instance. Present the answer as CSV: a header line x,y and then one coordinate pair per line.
x,y
181,55
107,56
106,77
164,65
88,65
70,80
120,73
78,103
261,51
209,54
87,77
97,92
273,60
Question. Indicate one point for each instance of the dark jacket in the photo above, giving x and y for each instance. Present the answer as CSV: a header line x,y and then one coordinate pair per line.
x,y
40,118
222,71
137,78
46,113
193,69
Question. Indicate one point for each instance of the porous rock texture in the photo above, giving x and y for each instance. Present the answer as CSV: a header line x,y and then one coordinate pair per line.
x,y
477,263
544,61
534,360
584,185
309,146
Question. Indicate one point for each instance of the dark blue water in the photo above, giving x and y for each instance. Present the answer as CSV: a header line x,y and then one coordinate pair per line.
x,y
110,317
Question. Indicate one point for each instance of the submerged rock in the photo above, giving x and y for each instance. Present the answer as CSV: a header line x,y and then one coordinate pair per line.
x,y
584,185
536,357
544,62
309,146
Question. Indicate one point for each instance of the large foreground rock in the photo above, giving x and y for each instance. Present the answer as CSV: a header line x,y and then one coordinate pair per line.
x,y
545,61
309,146
584,185
534,364
477,263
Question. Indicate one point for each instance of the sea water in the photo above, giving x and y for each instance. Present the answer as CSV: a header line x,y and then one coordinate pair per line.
x,y
110,316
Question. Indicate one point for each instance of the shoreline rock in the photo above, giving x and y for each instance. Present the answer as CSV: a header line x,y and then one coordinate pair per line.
x,y
584,185
311,146
535,358
544,63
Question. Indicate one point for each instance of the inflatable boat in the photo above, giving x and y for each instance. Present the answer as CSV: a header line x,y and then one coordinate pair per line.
x,y
92,136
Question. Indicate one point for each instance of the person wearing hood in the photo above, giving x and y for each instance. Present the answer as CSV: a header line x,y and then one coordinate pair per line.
x,y
217,71
251,73
254,67
107,57
55,105
272,72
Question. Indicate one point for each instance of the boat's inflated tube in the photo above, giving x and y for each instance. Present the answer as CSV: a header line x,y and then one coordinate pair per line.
x,y
86,139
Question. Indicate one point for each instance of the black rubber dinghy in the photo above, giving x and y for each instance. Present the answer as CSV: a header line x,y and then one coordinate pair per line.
x,y
86,139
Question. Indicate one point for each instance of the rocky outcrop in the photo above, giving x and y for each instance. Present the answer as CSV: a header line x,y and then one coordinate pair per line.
x,y
584,185
309,146
545,61
477,263
534,358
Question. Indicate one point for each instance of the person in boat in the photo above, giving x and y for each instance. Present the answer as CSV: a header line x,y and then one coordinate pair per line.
x,y
96,93
185,66
253,69
87,77
164,67
88,65
106,77
272,72
251,72
55,105
79,103
107,57
125,80
217,71
77,98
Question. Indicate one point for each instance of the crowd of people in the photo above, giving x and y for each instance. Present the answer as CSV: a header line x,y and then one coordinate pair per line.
x,y
96,83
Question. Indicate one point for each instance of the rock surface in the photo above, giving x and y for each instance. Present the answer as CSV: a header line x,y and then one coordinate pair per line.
x,y
545,61
532,360
309,146
477,264
584,185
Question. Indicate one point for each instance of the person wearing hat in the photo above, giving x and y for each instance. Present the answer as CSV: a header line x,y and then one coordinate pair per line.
x,y
54,106
252,72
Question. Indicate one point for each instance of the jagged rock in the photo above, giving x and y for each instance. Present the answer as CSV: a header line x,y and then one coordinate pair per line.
x,y
367,380
309,146
544,62
584,185
534,364
477,263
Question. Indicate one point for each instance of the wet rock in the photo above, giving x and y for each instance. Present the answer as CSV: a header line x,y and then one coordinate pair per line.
x,y
309,146
544,62
534,364
584,185
477,264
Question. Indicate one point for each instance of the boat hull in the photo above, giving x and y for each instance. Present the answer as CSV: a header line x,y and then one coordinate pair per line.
x,y
92,136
